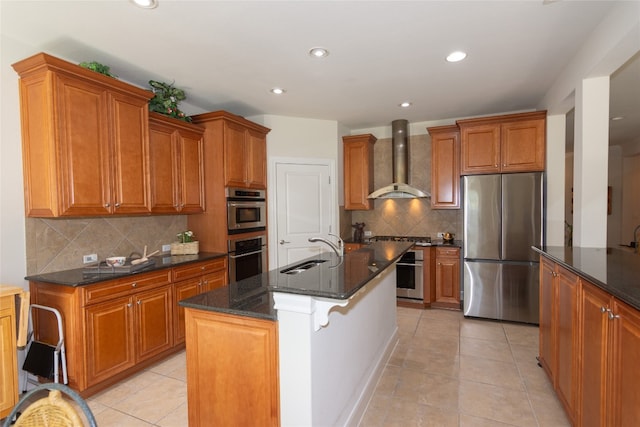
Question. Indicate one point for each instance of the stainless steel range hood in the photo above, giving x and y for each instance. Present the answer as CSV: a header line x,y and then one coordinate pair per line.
x,y
400,189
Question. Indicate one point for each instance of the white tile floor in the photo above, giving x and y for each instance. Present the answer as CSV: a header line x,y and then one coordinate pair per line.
x,y
445,371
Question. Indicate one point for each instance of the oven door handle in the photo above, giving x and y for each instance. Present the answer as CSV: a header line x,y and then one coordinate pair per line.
x,y
247,254
417,264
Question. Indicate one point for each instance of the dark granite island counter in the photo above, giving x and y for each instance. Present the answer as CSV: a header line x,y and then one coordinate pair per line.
x,y
304,348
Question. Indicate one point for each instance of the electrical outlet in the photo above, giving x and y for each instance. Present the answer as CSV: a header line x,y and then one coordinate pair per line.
x,y
368,233
166,248
441,235
86,259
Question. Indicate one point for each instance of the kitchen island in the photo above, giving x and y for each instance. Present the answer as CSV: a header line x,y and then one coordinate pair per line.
x,y
590,332
302,345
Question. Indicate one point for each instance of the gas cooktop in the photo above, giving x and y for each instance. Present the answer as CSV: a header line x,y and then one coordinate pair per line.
x,y
418,240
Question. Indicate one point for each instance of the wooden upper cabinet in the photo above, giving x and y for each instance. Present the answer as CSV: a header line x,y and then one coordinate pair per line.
x,y
445,167
503,144
177,176
245,157
84,141
358,171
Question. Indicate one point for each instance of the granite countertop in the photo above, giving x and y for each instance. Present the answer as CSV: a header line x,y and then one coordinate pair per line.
x,y
78,276
614,270
439,242
334,278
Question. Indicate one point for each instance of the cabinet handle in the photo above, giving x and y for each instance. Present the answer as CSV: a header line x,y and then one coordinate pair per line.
x,y
495,166
202,268
604,309
106,205
129,305
206,282
117,205
613,316
134,284
282,242
139,302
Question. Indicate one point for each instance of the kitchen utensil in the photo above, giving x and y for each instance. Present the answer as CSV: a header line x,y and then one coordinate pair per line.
x,y
144,258
447,237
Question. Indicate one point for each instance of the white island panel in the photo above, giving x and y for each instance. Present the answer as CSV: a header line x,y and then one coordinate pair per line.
x,y
328,371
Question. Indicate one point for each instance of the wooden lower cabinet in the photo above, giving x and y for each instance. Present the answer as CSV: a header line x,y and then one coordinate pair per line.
x,y
447,278
118,327
350,247
609,353
559,332
8,356
589,347
232,370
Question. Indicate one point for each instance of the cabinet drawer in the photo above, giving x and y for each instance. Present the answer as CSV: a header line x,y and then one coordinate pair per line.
x,y
197,269
125,286
447,252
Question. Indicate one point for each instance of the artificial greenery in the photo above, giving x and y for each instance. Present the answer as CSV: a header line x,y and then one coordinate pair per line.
x,y
98,68
166,100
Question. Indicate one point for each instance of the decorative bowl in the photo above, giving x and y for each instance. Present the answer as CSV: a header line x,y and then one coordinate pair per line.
x,y
116,261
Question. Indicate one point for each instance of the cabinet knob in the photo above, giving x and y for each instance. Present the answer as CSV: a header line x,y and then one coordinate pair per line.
x,y
202,268
139,302
117,205
134,284
129,305
603,310
106,205
613,316
495,166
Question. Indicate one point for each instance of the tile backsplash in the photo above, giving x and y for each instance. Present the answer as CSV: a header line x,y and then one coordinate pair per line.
x,y
59,244
407,217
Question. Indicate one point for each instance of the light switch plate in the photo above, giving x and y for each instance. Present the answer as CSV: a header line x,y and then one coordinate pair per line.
x,y
367,233
441,235
166,248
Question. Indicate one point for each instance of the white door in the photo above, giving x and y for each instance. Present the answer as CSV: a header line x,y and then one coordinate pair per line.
x,y
304,208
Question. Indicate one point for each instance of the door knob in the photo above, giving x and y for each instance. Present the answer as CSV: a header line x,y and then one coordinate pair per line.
x,y
282,242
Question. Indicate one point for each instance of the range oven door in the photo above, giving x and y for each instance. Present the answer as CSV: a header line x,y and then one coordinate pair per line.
x,y
247,257
409,276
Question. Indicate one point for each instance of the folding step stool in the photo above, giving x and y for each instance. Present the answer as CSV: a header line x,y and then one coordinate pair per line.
x,y
43,359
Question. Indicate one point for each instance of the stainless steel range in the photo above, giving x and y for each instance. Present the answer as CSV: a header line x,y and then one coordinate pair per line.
x,y
409,269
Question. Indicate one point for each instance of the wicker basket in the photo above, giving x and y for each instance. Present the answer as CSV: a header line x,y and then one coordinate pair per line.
x,y
190,248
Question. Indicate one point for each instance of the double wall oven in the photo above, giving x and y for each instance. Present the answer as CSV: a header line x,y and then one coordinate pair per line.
x,y
246,219
409,268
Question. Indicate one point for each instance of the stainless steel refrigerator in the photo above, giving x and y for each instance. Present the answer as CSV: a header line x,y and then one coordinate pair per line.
x,y
502,220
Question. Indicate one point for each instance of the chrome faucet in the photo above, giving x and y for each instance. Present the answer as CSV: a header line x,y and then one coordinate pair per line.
x,y
635,239
338,249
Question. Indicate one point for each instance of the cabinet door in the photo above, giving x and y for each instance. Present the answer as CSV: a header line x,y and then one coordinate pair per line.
x,y
214,280
594,331
567,340
110,339
547,330
235,155
257,159
84,149
624,393
183,290
480,151
8,366
445,169
163,169
522,148
154,323
448,277
358,173
131,154
191,172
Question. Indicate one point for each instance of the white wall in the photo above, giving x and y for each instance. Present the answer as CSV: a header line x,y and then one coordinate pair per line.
x,y
611,44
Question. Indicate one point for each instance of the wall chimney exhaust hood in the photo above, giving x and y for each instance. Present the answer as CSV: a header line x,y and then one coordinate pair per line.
x,y
400,189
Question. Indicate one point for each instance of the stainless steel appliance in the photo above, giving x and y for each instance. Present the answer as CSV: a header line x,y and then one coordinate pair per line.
x,y
409,268
247,257
502,220
246,210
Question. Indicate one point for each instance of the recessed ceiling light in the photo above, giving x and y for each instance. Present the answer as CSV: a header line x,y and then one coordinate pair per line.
x,y
146,4
278,91
456,56
405,104
319,52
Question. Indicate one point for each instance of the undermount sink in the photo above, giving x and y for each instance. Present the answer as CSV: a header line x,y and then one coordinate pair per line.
x,y
300,268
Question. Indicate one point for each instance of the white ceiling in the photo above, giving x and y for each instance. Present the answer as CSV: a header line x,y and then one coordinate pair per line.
x,y
228,54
